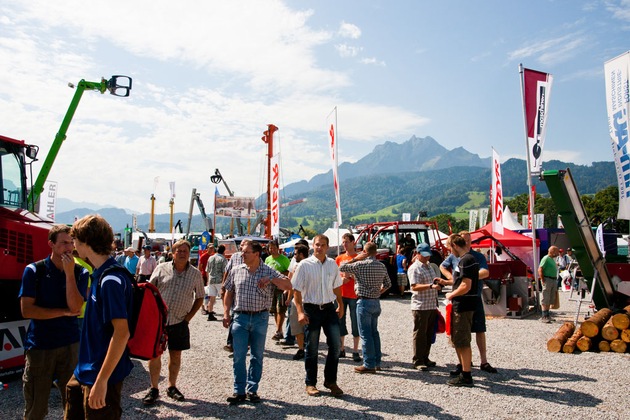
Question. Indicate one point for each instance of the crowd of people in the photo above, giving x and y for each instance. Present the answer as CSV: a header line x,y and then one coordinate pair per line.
x,y
304,295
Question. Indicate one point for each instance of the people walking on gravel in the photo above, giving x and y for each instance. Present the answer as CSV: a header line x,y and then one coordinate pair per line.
x,y
215,267
301,253
317,287
548,275
349,299
181,286
250,287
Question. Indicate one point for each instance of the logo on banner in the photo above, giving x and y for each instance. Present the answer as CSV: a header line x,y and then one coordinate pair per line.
x,y
275,197
536,93
497,195
50,199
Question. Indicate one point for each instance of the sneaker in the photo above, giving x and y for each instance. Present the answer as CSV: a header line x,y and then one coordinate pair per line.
x,y
253,397
356,357
342,353
461,381
312,391
545,320
299,355
457,371
236,399
151,397
335,391
430,363
211,316
277,336
286,343
486,367
174,393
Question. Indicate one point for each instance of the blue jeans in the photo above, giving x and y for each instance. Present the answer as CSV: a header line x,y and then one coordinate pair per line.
x,y
368,311
288,337
349,305
327,320
248,330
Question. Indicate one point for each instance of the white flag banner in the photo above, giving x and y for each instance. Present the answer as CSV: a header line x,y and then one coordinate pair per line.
x,y
472,220
49,199
599,236
483,216
275,196
172,186
497,194
536,92
331,126
616,72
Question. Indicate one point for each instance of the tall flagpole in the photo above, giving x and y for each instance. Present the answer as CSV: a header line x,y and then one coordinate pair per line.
x,y
529,192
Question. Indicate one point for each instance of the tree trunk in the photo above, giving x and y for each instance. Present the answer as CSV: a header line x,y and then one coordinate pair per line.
x,y
609,332
592,326
604,346
584,343
618,346
561,336
621,321
569,346
625,335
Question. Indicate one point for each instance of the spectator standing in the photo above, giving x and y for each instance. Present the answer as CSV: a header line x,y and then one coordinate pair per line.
x,y
215,268
131,261
52,295
181,287
250,287
280,263
548,270
349,298
371,280
94,391
146,265
401,265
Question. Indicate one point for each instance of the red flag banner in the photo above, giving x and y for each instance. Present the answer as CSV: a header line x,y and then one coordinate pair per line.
x,y
497,195
536,93
332,142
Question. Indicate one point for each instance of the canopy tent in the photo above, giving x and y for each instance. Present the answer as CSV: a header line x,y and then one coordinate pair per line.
x,y
519,245
510,221
333,239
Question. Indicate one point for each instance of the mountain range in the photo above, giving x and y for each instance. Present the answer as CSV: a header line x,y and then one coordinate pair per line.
x,y
417,175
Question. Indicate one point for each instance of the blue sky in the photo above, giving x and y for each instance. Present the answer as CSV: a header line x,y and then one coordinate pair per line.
x,y
210,75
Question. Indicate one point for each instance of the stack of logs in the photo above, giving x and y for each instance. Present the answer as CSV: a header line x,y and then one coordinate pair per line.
x,y
604,331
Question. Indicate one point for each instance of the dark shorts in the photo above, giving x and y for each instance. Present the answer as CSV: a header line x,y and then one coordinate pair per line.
x,y
479,318
461,324
77,406
178,336
278,305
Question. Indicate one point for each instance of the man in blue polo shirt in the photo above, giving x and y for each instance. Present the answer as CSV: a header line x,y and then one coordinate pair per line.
x,y
94,391
52,293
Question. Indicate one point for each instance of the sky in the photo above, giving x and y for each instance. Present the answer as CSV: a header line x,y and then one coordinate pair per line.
x,y
208,76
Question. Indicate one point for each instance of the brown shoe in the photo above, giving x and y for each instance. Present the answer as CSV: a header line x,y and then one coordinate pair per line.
x,y
363,369
312,391
335,391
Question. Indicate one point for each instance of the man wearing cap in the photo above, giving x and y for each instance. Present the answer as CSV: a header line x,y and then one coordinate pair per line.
x,y
131,262
146,265
371,279
424,295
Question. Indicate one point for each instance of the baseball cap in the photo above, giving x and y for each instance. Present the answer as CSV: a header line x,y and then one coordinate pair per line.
x,y
424,249
147,247
130,249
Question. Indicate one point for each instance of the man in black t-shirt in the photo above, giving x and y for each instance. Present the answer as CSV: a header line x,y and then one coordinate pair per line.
x,y
463,296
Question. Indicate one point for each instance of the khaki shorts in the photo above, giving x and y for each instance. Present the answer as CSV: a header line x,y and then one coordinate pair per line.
x,y
402,279
549,289
461,325
296,327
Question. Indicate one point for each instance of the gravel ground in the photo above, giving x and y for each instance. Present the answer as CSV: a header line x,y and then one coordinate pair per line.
x,y
531,383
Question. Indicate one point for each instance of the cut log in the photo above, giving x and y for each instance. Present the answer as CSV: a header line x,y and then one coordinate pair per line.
x,y
604,345
561,336
592,326
618,346
609,332
625,335
584,343
569,346
621,321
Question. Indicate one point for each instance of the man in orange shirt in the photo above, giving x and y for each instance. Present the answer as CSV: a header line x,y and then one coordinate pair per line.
x,y
349,298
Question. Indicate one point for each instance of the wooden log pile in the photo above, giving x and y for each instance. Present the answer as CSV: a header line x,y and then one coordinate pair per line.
x,y
605,331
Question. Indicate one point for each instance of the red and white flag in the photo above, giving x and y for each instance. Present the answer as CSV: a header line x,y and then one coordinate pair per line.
x,y
497,195
536,88
331,126
275,196
617,73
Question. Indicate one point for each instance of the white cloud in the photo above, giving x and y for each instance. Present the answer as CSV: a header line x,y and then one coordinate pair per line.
x,y
619,8
348,30
551,51
345,50
373,60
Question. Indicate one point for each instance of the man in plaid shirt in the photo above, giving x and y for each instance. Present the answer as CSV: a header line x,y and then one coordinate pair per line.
x,y
371,279
250,286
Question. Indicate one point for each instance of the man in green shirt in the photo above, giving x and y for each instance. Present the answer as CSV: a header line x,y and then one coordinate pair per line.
x,y
280,263
548,274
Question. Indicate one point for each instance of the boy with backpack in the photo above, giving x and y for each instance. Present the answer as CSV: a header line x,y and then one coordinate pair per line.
x,y
95,388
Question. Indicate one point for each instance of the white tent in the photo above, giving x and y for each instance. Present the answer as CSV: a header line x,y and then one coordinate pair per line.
x,y
333,238
510,221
